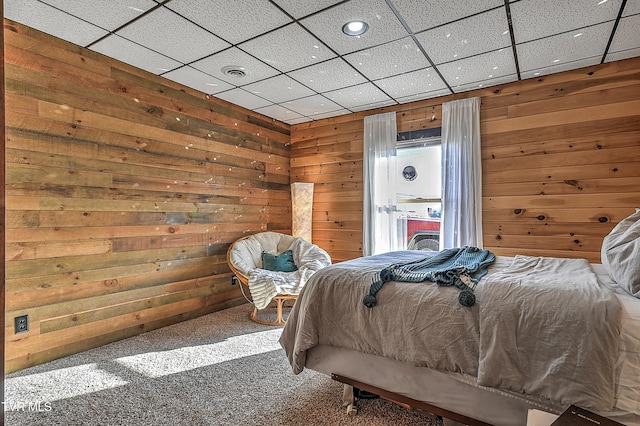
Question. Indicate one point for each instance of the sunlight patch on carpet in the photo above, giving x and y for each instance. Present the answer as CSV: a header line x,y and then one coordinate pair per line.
x,y
164,363
62,383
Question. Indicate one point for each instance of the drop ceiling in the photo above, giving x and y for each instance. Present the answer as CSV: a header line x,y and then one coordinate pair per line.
x,y
290,60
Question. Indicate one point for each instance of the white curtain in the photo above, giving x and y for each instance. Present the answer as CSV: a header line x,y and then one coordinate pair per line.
x,y
381,220
461,174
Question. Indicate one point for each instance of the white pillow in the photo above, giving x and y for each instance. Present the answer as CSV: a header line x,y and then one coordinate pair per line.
x,y
620,254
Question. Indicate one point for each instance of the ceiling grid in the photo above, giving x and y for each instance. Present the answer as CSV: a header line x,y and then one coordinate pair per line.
x,y
290,60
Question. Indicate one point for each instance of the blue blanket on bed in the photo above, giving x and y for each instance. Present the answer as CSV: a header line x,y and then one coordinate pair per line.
x,y
460,267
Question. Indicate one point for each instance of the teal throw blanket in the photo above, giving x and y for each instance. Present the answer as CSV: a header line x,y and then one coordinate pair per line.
x,y
460,267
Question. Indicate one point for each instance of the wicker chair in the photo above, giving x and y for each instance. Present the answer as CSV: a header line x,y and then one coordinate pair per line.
x,y
245,255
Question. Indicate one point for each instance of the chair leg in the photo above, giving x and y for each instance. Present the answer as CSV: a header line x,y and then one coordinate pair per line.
x,y
280,301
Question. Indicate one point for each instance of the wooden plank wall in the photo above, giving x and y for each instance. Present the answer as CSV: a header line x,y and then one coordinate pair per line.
x,y
123,193
2,212
560,158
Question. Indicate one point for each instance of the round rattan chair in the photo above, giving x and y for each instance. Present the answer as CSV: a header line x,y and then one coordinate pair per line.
x,y
244,257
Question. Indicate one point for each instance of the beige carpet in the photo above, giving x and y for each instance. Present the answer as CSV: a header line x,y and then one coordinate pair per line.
x,y
220,369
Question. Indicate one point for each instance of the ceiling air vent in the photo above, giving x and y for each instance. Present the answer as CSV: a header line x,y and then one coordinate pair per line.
x,y
234,71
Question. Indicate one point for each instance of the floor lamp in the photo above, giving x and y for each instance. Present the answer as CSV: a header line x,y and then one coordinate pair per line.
x,y
302,209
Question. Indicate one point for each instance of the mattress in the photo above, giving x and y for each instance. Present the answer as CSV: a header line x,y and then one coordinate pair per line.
x,y
628,363
460,392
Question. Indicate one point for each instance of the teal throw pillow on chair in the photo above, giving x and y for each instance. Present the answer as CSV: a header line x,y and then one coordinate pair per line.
x,y
280,263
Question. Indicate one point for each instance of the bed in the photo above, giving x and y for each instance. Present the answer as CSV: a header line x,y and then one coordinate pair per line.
x,y
543,333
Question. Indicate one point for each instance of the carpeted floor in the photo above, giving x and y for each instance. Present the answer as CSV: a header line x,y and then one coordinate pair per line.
x,y
219,369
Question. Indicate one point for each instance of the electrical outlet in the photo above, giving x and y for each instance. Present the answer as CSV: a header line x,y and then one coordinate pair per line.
x,y
22,323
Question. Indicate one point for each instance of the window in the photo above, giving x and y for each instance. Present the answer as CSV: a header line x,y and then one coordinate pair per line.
x,y
419,192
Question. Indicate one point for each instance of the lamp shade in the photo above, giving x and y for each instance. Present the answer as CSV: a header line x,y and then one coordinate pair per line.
x,y
301,209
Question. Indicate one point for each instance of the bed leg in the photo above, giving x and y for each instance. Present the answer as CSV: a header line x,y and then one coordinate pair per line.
x,y
348,396
349,400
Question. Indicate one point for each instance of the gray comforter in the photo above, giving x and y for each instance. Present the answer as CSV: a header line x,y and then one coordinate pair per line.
x,y
555,338
548,328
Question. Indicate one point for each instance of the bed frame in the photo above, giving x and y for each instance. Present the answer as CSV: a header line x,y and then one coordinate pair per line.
x,y
452,396
404,401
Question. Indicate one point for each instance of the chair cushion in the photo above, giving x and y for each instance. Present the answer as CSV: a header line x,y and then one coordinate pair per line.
x,y
246,254
279,263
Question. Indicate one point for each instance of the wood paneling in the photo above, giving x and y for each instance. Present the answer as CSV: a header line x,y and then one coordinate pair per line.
x,y
560,158
2,213
123,193
124,190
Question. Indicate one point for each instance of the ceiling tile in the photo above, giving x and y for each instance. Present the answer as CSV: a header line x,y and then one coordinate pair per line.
x,y
331,114
253,68
298,120
52,21
299,9
561,67
330,75
486,83
423,14
413,83
134,54
312,105
423,95
243,98
478,68
288,48
389,59
534,19
383,25
631,8
625,54
198,80
564,48
234,21
627,34
362,94
373,105
172,35
279,89
109,15
279,113
478,34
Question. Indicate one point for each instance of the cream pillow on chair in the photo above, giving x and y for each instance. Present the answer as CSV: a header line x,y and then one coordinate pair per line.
x,y
620,254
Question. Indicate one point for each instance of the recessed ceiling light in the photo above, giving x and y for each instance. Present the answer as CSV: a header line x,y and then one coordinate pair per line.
x,y
234,71
355,28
